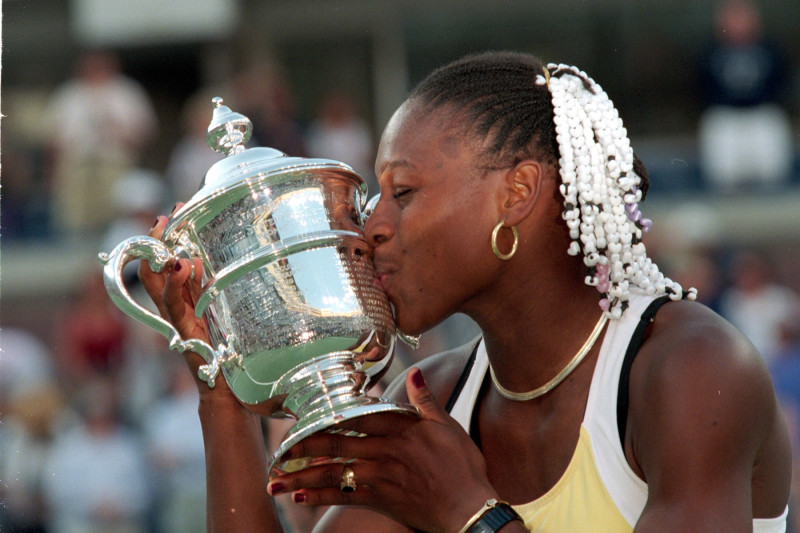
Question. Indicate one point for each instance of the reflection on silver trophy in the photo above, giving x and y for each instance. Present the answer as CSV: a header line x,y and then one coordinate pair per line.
x,y
297,324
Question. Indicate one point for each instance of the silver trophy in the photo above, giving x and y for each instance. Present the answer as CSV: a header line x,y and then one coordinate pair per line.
x,y
298,325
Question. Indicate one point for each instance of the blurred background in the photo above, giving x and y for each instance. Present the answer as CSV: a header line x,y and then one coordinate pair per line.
x,y
105,104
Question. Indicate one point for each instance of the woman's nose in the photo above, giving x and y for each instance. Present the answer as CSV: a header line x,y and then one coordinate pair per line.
x,y
376,226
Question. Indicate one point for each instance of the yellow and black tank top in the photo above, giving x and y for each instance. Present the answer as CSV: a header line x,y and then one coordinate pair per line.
x,y
598,492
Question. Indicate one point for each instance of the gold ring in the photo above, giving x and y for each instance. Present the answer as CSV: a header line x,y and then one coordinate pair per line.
x,y
348,482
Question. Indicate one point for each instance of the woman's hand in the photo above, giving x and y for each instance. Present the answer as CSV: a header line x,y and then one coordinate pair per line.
x,y
423,472
174,291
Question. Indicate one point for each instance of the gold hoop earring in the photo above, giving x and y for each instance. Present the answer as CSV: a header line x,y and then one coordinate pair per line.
x,y
496,250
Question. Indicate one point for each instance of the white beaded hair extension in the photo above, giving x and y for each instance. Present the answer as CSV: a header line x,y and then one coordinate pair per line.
x,y
601,192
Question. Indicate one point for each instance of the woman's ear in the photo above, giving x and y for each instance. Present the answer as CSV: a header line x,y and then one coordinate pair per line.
x,y
521,190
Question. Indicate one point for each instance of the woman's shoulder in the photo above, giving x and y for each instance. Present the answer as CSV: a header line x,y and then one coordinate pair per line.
x,y
702,407
441,372
696,370
689,336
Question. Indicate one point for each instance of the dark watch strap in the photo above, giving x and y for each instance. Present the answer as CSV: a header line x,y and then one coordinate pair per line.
x,y
495,518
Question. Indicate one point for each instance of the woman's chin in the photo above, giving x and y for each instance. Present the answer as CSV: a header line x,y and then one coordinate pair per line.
x,y
411,327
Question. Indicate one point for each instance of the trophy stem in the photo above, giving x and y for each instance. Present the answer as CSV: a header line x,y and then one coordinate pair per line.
x,y
322,393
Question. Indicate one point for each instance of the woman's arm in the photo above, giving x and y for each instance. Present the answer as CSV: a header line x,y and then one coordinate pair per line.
x,y
705,431
236,469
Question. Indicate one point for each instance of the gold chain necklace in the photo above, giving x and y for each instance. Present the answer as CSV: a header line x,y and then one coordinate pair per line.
x,y
550,385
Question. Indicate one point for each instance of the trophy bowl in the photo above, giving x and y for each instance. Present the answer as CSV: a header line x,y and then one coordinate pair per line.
x,y
297,324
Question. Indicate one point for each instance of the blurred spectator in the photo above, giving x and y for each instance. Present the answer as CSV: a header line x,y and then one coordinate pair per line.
x,y
340,133
757,304
25,204
145,375
29,405
29,426
25,362
92,333
745,134
263,95
98,123
175,449
192,157
138,197
96,478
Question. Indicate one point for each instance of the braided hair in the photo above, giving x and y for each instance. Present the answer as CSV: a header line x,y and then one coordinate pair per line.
x,y
558,115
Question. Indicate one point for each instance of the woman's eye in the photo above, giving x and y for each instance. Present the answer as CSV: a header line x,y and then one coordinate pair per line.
x,y
401,191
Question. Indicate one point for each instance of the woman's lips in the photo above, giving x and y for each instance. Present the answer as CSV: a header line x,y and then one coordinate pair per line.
x,y
383,280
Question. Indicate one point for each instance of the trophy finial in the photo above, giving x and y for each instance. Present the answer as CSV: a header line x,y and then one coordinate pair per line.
x,y
229,131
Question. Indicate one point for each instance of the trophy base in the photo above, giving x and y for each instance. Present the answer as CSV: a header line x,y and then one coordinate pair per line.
x,y
362,406
321,394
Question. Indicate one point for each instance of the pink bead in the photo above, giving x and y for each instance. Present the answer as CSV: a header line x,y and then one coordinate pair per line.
x,y
605,304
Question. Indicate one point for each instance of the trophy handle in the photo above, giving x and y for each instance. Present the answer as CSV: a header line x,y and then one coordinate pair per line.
x,y
157,254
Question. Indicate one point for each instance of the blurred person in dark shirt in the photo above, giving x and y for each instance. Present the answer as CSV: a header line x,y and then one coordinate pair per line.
x,y
745,133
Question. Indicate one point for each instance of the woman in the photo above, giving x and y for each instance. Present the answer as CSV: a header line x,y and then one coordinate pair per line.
x,y
509,192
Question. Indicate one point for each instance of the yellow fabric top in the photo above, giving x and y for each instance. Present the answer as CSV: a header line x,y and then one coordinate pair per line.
x,y
579,500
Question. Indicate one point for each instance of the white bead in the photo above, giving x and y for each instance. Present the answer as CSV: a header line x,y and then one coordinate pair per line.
x,y
598,230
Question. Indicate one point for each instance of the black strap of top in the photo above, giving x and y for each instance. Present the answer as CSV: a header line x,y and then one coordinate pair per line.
x,y
462,379
637,340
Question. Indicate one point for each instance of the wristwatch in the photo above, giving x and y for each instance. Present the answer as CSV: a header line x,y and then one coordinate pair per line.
x,y
491,517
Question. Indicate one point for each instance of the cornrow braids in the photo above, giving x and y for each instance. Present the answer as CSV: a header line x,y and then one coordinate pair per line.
x,y
500,101
559,114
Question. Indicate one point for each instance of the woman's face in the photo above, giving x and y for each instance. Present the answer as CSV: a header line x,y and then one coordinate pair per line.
x,y
432,225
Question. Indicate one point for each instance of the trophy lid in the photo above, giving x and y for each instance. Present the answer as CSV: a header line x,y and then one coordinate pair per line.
x,y
228,133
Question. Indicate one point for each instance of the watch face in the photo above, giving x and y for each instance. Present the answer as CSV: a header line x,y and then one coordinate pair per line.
x,y
499,515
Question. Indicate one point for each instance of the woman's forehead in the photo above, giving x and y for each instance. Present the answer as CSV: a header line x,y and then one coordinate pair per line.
x,y
419,129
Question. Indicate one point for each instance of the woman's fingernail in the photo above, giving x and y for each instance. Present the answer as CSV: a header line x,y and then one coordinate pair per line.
x,y
155,223
174,207
275,487
177,267
299,497
418,380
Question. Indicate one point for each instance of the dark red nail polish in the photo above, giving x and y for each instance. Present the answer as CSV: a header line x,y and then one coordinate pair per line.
x,y
174,207
155,223
299,497
177,267
418,380
276,487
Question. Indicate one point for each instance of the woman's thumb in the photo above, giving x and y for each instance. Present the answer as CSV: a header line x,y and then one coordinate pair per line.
x,y
422,398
